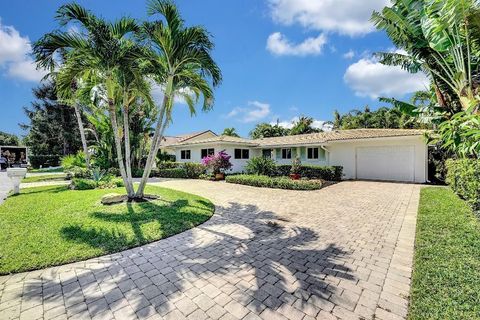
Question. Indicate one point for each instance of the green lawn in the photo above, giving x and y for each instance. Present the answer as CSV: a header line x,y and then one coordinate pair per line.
x,y
44,177
59,169
446,276
49,226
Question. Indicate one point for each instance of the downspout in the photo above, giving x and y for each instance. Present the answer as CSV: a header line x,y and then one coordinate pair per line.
x,y
327,154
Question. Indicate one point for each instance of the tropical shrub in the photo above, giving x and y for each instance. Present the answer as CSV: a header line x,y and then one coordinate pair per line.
x,y
73,160
463,176
194,170
83,184
168,165
274,182
330,173
113,171
296,166
260,166
82,173
137,172
218,163
179,173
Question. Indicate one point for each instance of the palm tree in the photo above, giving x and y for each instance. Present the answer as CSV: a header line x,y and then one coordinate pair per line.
x,y
105,58
232,132
303,126
182,64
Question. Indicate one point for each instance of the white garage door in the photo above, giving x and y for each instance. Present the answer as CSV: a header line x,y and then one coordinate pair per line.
x,y
394,163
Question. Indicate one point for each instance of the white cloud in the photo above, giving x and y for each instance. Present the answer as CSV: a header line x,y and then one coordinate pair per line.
x,y
350,17
278,44
349,55
158,90
14,55
254,112
288,124
368,77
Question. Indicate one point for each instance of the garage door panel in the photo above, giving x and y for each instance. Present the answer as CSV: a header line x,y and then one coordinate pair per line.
x,y
393,163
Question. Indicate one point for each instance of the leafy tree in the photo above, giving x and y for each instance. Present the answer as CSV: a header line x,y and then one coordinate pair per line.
x,y
232,132
267,130
303,126
52,127
182,63
106,60
7,139
383,118
440,38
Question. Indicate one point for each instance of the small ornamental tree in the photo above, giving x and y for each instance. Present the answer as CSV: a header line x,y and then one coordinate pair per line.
x,y
218,163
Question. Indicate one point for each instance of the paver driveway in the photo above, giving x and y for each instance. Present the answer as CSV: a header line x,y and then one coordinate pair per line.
x,y
341,252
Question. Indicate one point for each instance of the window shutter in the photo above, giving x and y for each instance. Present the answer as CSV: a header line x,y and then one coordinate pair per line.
x,y
294,153
278,153
303,153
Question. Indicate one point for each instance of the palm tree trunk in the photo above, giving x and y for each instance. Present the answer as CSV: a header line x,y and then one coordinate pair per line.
x,y
82,134
153,150
118,145
156,140
126,134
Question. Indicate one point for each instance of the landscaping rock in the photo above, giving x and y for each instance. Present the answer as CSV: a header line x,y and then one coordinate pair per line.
x,y
112,198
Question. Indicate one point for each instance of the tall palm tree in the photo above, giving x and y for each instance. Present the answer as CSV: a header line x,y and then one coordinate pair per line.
x,y
182,64
231,132
102,54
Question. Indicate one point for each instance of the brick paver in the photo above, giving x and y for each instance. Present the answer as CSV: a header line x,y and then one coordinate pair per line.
x,y
343,252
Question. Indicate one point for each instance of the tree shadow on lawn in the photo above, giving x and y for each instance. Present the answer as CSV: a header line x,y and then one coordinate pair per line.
x,y
172,216
253,257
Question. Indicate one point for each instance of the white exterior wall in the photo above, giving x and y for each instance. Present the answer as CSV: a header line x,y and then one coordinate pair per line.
x,y
304,160
238,164
344,154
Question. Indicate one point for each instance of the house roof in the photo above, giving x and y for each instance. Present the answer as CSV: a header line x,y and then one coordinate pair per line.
x,y
222,138
313,138
338,135
170,140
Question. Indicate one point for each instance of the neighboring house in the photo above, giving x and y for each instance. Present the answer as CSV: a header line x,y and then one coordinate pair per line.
x,y
167,141
375,154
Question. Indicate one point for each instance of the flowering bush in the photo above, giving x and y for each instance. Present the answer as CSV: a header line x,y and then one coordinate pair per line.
x,y
218,163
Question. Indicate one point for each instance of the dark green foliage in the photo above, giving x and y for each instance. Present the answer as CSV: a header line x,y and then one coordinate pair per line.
x,y
7,139
194,170
266,130
382,118
179,173
261,166
463,176
44,160
163,157
79,172
49,226
231,132
274,182
303,126
446,273
168,165
52,127
329,173
137,172
83,184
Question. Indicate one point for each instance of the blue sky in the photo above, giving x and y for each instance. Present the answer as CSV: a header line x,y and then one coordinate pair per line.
x,y
279,58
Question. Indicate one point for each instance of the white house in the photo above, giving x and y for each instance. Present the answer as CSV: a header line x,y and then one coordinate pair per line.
x,y
375,154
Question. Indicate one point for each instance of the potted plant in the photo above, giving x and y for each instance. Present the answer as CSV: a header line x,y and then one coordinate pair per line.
x,y
295,170
218,164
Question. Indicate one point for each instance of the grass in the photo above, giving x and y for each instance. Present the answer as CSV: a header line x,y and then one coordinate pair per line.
x,y
49,226
59,169
46,177
446,276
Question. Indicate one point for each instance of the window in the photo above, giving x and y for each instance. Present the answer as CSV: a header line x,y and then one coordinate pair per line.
x,y
242,154
286,153
185,154
207,152
312,153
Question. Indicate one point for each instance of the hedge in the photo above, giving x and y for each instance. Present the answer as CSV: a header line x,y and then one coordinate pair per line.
x,y
330,173
50,160
274,182
169,173
463,176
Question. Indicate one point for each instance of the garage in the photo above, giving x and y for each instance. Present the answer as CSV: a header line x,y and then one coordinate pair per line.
x,y
391,163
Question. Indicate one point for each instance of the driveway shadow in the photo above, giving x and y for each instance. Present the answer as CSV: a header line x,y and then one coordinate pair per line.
x,y
242,260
